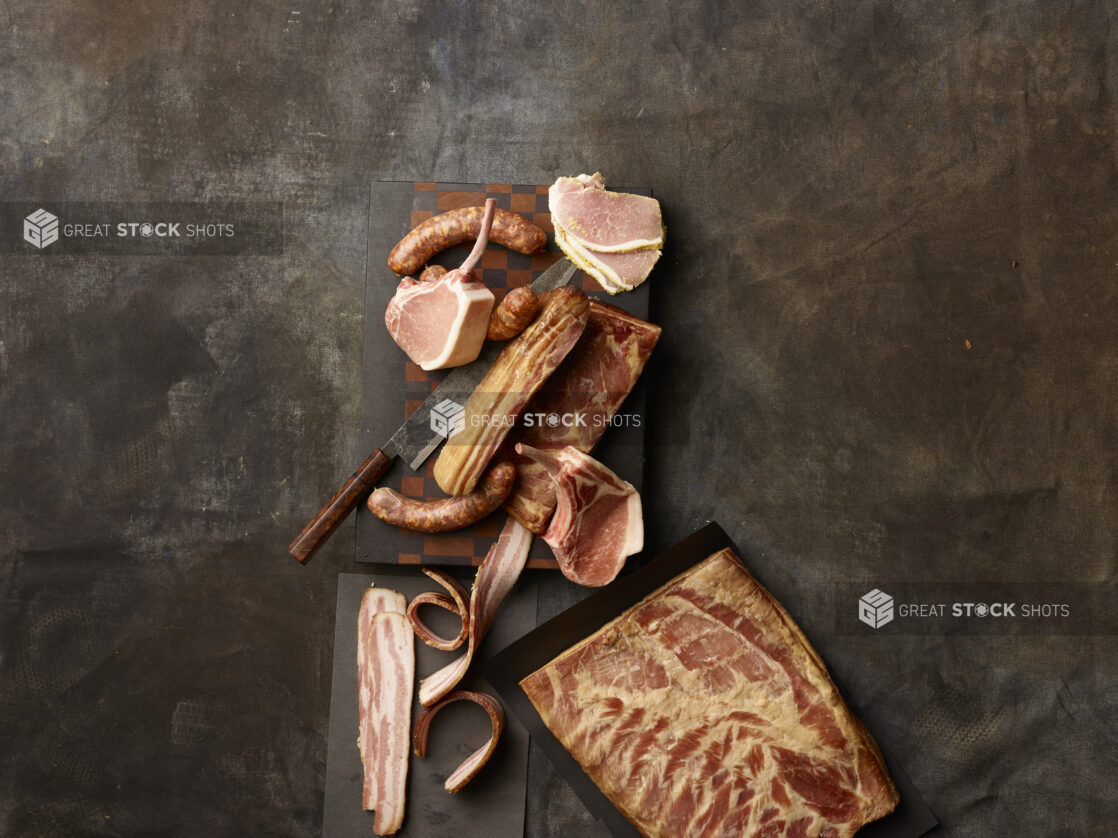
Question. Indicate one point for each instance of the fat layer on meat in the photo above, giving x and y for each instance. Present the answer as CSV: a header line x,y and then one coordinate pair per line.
x,y
590,386
704,711
386,675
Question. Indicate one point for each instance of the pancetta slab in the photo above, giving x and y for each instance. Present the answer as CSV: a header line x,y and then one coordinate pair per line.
x,y
703,711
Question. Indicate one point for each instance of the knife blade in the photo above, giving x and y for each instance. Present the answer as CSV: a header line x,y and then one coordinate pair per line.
x,y
417,438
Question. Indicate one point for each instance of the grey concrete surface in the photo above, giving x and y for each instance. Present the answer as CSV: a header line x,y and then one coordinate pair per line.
x,y
889,353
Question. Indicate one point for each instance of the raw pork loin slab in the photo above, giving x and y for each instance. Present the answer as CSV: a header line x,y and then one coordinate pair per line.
x,y
704,711
442,322
592,382
614,236
597,522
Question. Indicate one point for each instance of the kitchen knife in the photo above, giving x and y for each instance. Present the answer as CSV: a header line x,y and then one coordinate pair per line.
x,y
415,439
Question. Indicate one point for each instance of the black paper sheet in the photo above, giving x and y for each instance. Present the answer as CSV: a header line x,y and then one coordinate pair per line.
x,y
492,804
912,817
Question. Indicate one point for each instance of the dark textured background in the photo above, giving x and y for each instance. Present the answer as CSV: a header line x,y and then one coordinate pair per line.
x,y
847,187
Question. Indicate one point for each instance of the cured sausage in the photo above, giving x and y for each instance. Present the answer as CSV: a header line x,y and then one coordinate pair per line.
x,y
513,314
449,513
431,273
438,233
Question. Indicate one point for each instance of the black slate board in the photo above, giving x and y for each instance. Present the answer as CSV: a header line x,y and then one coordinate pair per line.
x,y
493,803
392,387
912,817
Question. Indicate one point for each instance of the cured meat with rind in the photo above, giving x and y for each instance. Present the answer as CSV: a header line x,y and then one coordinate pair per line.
x,y
704,711
588,388
517,374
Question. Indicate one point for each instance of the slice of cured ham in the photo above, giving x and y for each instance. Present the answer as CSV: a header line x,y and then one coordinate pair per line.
x,y
597,522
385,676
614,236
615,272
604,221
442,322
495,578
703,711
591,384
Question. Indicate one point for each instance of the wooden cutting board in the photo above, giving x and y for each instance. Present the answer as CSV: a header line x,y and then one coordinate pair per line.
x,y
392,386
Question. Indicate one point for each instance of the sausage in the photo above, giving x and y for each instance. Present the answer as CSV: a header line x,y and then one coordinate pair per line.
x,y
438,233
449,513
431,273
513,314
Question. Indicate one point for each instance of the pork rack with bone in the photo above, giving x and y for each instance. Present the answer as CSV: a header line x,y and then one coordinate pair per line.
x,y
442,322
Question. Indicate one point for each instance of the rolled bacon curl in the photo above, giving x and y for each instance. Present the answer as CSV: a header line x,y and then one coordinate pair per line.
x,y
474,762
456,602
495,578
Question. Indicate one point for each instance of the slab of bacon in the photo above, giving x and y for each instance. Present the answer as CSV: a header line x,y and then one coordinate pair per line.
x,y
598,521
704,711
591,384
386,676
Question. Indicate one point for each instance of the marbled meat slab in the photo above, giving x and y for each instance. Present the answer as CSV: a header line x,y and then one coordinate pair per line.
x,y
704,711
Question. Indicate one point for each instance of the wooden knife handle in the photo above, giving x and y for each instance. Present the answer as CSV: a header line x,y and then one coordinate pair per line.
x,y
345,500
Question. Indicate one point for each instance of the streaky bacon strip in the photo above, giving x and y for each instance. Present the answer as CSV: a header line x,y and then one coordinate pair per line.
x,y
374,601
456,602
474,762
495,578
386,675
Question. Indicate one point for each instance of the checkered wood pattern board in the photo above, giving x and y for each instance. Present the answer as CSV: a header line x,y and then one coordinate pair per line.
x,y
501,270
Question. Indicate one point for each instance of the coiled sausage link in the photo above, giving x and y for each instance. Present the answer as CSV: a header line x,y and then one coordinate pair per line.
x,y
447,229
449,513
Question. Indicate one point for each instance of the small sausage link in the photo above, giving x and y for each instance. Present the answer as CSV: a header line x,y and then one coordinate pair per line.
x,y
431,273
439,232
449,513
513,314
